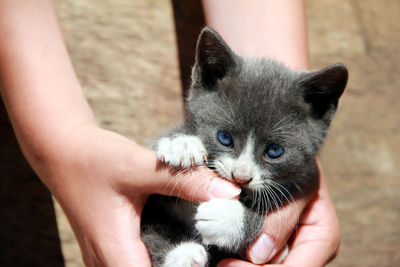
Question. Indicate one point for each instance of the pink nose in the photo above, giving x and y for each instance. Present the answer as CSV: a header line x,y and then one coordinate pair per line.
x,y
241,174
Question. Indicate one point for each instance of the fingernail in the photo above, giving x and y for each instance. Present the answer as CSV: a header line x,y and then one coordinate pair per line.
x,y
281,256
223,189
261,250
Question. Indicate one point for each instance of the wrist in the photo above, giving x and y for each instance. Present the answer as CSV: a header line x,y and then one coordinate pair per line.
x,y
51,152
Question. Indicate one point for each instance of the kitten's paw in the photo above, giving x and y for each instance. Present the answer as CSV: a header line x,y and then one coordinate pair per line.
x,y
221,222
181,151
188,254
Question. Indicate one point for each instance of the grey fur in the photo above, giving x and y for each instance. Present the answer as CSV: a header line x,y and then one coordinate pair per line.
x,y
238,95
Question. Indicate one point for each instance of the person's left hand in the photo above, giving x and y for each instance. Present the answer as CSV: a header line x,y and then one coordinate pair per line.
x,y
314,243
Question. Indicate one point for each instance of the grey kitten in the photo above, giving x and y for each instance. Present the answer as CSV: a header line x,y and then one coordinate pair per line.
x,y
254,122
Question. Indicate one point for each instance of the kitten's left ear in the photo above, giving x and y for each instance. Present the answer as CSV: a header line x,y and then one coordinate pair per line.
x,y
213,58
323,89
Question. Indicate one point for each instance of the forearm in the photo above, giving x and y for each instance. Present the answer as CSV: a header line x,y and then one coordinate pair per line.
x,y
42,95
256,28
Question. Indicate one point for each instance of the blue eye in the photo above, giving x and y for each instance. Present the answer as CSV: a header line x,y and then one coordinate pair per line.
x,y
225,138
274,151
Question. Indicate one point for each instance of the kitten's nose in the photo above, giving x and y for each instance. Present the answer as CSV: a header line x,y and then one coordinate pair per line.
x,y
242,174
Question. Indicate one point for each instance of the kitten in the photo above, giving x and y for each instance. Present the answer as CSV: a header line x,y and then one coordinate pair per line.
x,y
255,122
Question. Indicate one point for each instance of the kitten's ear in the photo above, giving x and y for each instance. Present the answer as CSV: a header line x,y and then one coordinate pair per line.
x,y
323,89
213,57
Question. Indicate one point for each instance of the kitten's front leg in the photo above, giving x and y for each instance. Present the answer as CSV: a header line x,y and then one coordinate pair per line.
x,y
227,224
181,151
186,254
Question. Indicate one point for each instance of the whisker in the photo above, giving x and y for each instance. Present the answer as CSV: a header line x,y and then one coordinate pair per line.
x,y
289,198
273,195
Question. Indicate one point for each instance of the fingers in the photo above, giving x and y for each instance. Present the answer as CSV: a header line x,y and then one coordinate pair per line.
x,y
317,240
110,236
197,186
278,227
281,255
240,263
148,175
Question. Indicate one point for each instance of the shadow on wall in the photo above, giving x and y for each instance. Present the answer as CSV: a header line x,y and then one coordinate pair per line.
x,y
189,20
29,235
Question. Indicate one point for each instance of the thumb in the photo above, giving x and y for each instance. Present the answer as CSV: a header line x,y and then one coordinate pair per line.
x,y
151,176
278,227
271,245
197,185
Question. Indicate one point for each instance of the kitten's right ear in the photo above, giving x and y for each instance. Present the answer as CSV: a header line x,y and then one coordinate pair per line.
x,y
323,89
213,57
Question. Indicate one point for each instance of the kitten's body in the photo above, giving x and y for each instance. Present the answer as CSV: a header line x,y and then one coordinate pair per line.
x,y
255,122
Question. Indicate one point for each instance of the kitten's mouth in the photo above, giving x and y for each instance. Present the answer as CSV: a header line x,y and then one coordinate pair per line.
x,y
241,183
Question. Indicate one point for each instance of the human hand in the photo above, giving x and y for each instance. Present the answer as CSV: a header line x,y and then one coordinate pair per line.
x,y
314,243
102,181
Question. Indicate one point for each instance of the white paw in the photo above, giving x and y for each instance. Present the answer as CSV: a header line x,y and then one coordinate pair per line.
x,y
181,151
221,222
188,254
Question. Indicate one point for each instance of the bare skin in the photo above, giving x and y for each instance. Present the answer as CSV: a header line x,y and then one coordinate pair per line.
x,y
100,178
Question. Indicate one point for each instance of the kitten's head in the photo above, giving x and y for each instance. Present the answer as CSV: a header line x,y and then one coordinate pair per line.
x,y
260,121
